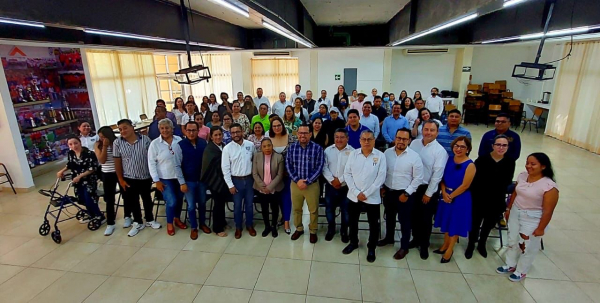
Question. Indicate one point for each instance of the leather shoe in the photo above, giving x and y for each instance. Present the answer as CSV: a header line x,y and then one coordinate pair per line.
x,y
313,238
371,256
194,234
482,251
275,233
251,231
443,261
238,233
170,229
469,252
345,238
329,236
297,235
266,232
179,224
384,242
400,254
424,253
205,229
413,244
349,249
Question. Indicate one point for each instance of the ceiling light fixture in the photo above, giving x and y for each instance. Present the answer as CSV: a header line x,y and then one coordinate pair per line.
x,y
512,2
285,34
22,22
500,40
438,28
554,33
232,7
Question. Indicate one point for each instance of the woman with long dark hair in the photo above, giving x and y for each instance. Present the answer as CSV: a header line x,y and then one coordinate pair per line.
x,y
417,96
258,133
240,118
227,121
281,140
528,213
212,176
318,134
215,119
290,120
249,108
403,95
406,105
341,93
424,116
179,109
104,154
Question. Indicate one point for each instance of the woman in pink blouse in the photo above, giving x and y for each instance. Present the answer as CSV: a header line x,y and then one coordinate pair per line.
x,y
267,171
203,130
528,214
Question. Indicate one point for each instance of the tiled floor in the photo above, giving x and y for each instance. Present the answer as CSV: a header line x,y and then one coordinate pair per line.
x,y
153,267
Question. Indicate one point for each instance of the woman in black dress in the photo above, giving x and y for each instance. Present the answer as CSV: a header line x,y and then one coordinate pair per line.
x,y
494,173
83,165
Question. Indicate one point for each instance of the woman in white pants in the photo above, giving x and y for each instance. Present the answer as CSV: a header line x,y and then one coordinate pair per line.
x,y
528,214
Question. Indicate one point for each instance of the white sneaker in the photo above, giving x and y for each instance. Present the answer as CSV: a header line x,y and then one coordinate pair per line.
x,y
135,229
109,230
128,222
153,224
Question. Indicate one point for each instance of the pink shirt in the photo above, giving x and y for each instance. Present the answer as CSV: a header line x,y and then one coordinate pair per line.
x,y
203,132
530,196
357,105
267,178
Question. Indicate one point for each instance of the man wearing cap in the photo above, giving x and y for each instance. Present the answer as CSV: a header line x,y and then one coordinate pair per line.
x,y
335,121
357,105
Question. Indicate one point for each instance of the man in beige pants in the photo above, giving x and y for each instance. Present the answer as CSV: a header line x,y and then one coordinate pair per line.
x,y
304,163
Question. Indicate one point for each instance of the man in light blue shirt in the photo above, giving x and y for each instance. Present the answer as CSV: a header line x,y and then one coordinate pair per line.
x,y
393,123
451,131
368,120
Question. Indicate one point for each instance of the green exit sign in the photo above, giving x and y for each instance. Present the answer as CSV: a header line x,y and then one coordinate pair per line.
x,y
338,77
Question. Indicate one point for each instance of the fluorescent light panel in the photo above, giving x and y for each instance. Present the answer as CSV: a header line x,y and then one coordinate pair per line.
x,y
439,28
283,33
554,33
22,22
512,2
149,38
232,7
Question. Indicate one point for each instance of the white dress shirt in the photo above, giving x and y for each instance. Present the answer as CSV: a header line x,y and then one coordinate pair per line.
x,y
404,171
320,101
279,108
365,175
420,128
335,163
435,104
411,116
186,118
370,98
164,160
236,160
213,107
372,122
294,96
262,100
89,141
434,158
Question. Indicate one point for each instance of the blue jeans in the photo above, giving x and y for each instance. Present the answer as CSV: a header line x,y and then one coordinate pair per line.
x,y
172,195
90,205
334,198
244,198
196,195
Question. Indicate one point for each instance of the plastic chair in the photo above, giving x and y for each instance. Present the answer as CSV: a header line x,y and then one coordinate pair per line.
x,y
8,178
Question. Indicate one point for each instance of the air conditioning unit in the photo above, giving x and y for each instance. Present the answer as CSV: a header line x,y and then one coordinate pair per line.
x,y
272,54
424,51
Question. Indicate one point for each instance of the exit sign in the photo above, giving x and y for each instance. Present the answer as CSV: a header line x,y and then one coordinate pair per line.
x,y
338,77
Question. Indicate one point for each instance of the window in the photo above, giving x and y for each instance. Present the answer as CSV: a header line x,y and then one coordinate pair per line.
x,y
166,66
220,81
274,75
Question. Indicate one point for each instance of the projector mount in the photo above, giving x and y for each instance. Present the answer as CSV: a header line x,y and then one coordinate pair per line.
x,y
192,74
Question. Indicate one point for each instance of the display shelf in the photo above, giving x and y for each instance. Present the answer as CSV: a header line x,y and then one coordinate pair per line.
x,y
48,167
59,124
17,105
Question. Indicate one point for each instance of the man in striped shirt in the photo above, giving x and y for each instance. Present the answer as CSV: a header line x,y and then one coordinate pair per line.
x,y
304,163
130,152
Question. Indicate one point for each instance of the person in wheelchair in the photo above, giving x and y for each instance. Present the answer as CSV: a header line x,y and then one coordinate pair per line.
x,y
83,164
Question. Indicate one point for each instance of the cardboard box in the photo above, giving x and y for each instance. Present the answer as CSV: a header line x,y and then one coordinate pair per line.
x,y
474,87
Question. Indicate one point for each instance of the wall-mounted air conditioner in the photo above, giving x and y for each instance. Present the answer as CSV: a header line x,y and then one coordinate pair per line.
x,y
424,51
272,54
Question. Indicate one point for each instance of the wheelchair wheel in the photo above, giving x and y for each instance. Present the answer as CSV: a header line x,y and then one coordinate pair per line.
x,y
44,228
94,224
80,214
56,237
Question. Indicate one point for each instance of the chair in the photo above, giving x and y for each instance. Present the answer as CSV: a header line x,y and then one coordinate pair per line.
x,y
493,111
449,107
472,109
114,126
8,178
537,113
143,117
515,111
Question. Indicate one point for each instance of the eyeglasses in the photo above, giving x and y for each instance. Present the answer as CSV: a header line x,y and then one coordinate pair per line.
x,y
236,132
460,146
276,126
402,139
303,133
501,121
500,145
191,130
366,139
171,150
226,119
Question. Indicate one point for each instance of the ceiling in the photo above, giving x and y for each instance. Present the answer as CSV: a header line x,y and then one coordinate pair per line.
x,y
209,8
352,12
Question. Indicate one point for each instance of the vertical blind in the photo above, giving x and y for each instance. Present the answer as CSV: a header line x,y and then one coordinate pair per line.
x,y
274,76
124,84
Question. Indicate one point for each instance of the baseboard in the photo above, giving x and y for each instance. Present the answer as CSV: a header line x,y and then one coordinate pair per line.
x,y
21,190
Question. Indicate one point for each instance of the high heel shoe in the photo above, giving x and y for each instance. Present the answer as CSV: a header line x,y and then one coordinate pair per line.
x,y
439,251
443,261
288,231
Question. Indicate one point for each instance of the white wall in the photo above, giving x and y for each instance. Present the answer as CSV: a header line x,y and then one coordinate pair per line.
x,y
368,62
422,72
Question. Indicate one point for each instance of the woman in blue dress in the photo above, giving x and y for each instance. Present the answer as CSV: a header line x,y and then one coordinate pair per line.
x,y
453,215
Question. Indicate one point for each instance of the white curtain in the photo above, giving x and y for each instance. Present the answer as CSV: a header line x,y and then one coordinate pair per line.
x,y
573,117
274,76
124,84
220,70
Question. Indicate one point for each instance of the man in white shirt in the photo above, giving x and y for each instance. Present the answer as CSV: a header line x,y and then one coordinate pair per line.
x,y
297,94
364,174
435,104
371,98
413,114
336,190
260,99
368,120
236,164
404,175
279,106
434,158
322,100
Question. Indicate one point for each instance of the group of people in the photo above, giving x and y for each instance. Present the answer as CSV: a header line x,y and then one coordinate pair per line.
x,y
421,173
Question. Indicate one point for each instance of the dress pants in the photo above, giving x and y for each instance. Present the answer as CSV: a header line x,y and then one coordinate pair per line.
x,y
271,200
218,210
311,194
131,195
373,214
422,216
334,198
393,206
